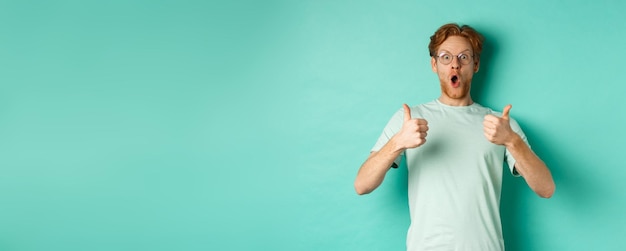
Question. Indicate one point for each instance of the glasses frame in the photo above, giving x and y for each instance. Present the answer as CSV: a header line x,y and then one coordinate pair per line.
x,y
458,56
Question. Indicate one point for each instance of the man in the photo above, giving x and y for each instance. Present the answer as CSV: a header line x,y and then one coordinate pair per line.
x,y
454,150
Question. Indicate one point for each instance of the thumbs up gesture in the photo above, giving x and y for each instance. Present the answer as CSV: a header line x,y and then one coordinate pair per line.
x,y
413,132
498,129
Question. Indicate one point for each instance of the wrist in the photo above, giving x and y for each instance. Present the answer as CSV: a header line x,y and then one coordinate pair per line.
x,y
395,145
514,141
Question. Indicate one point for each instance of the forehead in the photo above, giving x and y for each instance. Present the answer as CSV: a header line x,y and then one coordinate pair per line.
x,y
455,44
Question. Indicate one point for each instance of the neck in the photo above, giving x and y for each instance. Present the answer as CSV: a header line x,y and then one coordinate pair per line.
x,y
456,102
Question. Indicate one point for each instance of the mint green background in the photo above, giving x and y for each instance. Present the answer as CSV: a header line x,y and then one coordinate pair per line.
x,y
240,125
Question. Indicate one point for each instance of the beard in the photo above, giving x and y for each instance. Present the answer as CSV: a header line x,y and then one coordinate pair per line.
x,y
460,92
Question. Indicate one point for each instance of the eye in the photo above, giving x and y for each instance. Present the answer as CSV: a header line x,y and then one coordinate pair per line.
x,y
464,57
446,57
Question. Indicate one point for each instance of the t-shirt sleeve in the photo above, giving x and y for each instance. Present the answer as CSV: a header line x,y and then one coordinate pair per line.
x,y
508,157
393,126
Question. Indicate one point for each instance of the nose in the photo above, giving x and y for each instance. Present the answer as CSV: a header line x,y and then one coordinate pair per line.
x,y
456,63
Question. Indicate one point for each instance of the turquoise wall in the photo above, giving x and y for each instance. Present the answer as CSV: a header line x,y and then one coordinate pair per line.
x,y
240,125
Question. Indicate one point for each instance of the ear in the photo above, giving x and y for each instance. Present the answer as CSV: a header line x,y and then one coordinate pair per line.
x,y
476,66
433,64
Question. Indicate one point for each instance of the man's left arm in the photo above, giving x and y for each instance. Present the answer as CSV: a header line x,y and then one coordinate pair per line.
x,y
531,167
528,164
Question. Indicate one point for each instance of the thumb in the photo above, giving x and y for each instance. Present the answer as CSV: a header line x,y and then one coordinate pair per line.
x,y
505,113
407,112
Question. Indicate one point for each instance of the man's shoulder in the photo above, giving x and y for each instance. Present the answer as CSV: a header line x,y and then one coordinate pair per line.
x,y
428,105
482,108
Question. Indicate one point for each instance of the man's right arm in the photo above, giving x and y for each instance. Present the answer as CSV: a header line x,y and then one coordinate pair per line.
x,y
372,172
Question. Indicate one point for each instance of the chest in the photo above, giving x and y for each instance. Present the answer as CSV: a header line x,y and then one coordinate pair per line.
x,y
457,139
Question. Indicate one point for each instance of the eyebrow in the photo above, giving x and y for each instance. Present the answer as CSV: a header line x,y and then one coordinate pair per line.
x,y
442,51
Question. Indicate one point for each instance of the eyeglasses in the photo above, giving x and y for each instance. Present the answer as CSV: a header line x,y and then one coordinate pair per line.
x,y
445,58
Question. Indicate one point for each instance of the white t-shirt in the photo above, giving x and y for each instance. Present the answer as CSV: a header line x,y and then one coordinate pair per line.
x,y
455,179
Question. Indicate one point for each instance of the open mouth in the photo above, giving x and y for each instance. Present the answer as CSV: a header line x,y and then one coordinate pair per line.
x,y
454,79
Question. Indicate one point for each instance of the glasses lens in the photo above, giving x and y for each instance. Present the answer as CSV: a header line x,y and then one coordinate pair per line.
x,y
464,58
445,58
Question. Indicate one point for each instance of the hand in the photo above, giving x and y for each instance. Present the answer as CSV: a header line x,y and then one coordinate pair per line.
x,y
498,129
413,132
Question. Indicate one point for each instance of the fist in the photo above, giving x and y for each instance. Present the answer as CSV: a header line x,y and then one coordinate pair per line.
x,y
498,129
413,132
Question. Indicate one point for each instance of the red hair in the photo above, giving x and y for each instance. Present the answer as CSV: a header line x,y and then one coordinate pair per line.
x,y
447,30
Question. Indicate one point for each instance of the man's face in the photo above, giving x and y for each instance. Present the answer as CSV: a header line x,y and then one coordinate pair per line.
x,y
455,77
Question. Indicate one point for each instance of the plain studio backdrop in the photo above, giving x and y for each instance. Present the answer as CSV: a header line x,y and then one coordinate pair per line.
x,y
240,125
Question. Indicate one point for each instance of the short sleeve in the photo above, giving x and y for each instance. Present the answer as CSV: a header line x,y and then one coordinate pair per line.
x,y
393,126
508,157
